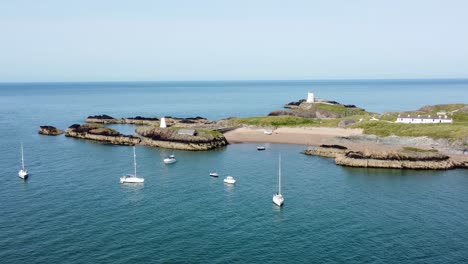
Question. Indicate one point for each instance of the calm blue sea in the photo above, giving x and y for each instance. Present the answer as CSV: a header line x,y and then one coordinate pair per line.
x,y
73,210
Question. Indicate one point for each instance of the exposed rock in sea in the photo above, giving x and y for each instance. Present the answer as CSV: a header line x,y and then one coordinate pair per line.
x,y
402,159
50,131
104,119
171,138
101,133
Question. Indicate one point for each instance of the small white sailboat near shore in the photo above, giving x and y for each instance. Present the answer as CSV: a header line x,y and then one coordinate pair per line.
x,y
23,172
129,178
278,198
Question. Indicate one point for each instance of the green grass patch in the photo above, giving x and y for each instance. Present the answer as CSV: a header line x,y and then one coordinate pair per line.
x,y
383,129
419,150
280,121
209,132
339,109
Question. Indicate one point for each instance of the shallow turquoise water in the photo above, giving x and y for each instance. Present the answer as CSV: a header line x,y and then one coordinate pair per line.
x,y
73,210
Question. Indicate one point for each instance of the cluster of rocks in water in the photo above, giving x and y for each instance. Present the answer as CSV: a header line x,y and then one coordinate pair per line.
x,y
148,132
401,159
49,131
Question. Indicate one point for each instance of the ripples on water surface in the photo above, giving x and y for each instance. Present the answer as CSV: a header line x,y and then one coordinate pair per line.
x,y
73,210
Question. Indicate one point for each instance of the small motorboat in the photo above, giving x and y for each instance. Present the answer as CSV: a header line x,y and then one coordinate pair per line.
x,y
170,159
214,174
260,148
230,180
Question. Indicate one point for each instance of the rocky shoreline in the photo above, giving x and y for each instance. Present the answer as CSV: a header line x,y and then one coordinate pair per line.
x,y
170,138
188,122
150,136
101,133
400,159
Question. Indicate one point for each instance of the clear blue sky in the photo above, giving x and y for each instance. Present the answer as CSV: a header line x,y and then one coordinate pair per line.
x,y
112,40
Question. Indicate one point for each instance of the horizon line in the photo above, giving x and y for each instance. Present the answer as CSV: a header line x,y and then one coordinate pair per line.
x,y
243,80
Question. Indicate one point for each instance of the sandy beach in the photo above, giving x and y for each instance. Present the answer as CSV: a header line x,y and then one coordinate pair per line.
x,y
312,136
287,135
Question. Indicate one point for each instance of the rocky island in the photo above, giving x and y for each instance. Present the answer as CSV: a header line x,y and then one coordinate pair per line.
x,y
405,158
101,133
49,131
172,137
184,139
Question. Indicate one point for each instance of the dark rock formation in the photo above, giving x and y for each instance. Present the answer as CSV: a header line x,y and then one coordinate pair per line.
x,y
294,103
143,118
100,133
333,146
50,131
401,159
101,117
169,138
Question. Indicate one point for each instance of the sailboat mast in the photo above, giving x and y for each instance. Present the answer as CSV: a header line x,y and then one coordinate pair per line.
x,y
22,158
279,175
134,161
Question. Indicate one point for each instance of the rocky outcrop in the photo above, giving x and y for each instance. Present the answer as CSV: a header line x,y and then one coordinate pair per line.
x,y
170,138
101,133
326,151
322,109
187,122
104,119
49,131
401,159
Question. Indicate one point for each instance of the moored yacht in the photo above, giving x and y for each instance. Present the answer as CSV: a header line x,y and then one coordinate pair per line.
x,y
23,172
129,178
278,198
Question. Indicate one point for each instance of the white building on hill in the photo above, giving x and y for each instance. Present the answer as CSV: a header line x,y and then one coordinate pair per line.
x,y
423,120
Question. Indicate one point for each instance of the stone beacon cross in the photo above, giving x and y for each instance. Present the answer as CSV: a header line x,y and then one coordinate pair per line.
x,y
310,97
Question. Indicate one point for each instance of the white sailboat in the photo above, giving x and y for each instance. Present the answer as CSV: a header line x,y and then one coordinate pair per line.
x,y
22,173
129,178
278,198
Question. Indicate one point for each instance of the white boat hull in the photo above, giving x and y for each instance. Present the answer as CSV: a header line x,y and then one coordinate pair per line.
x,y
214,174
169,161
23,174
278,199
128,179
229,180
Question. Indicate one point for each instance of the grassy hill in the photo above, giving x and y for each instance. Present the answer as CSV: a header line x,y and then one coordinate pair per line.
x,y
380,125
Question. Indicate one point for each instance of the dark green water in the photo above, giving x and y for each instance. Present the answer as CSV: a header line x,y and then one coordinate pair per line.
x,y
73,210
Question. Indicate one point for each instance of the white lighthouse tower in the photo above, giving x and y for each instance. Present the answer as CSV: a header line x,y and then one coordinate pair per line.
x,y
163,123
310,97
